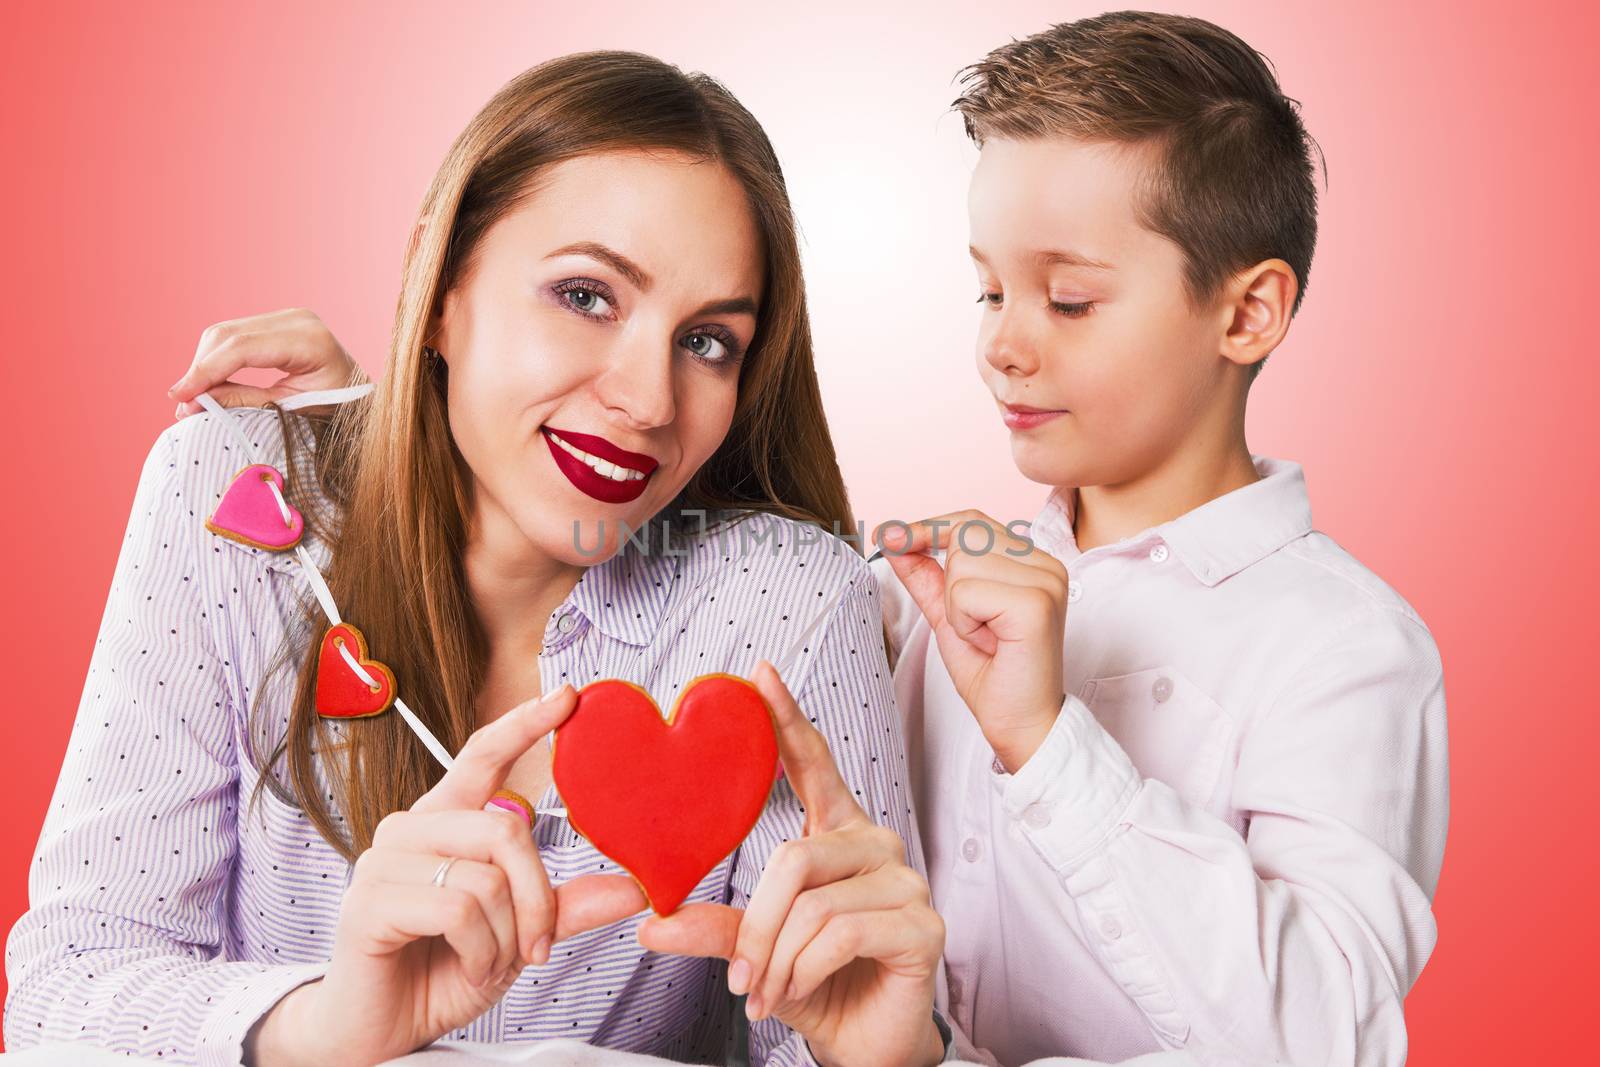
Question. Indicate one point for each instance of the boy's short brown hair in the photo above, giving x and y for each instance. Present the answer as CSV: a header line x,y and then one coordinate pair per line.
x,y
1235,185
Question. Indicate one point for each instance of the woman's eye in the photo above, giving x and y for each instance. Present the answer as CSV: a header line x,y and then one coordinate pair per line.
x,y
706,347
1072,311
992,299
586,300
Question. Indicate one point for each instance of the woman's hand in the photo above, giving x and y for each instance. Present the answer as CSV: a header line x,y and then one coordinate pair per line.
x,y
998,609
294,341
413,959
839,941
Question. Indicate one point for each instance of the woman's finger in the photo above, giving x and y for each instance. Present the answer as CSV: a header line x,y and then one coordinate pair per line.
x,y
487,883
886,888
807,763
391,915
908,940
591,901
496,837
710,930
794,867
486,758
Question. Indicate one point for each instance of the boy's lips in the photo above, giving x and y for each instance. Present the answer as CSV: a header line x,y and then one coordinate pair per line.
x,y
1023,417
597,467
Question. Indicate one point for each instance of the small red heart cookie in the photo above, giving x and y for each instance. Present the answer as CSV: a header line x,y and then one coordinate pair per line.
x,y
341,694
667,799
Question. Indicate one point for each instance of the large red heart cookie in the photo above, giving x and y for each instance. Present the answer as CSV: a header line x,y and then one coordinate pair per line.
x,y
341,694
667,799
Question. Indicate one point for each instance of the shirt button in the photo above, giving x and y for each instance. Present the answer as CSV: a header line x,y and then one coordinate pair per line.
x,y
1036,816
1110,929
1074,592
1161,690
971,850
566,623
1158,554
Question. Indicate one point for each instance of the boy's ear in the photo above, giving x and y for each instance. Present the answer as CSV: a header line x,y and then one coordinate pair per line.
x,y
1258,305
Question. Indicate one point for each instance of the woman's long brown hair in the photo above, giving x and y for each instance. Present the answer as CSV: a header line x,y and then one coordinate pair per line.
x,y
401,494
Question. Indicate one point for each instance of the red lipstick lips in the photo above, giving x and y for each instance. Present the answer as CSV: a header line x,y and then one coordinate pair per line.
x,y
597,467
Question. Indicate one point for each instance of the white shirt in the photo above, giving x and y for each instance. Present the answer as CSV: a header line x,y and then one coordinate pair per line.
x,y
1230,839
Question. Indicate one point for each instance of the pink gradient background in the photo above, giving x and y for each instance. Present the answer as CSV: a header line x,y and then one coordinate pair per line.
x,y
169,169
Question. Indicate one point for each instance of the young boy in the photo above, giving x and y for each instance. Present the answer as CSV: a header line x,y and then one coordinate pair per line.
x,y
1181,775
1179,759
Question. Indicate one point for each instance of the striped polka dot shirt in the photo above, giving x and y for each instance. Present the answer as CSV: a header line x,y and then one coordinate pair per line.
x,y
168,913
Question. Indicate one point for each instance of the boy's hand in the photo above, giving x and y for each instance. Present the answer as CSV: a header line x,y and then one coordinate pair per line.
x,y
998,608
294,341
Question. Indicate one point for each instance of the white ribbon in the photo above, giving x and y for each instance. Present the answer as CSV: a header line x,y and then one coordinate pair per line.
x,y
308,566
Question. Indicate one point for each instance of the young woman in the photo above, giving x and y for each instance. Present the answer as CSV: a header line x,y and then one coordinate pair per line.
x,y
226,874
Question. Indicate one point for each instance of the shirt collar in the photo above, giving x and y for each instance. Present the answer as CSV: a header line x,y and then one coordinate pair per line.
x,y
1219,538
625,596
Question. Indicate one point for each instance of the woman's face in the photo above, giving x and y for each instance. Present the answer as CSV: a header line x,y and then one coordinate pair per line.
x,y
594,347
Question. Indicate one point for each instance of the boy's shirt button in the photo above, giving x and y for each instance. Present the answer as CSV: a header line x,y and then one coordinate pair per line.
x,y
1036,816
1161,690
1074,592
1158,554
1110,929
971,850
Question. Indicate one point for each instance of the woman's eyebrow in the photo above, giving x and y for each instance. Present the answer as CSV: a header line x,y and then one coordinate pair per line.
x,y
739,305
609,256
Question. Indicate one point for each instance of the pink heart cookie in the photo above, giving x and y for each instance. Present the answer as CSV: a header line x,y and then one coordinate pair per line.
x,y
249,512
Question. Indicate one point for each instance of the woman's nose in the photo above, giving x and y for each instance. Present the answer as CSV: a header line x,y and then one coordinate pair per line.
x,y
638,385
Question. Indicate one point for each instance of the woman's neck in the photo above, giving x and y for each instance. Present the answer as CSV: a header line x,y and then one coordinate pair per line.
x,y
515,587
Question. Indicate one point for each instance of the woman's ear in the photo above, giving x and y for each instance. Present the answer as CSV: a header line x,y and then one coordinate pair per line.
x,y
1260,302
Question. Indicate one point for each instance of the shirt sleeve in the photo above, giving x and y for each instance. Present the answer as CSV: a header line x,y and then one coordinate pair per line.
x,y
1298,940
846,690
120,945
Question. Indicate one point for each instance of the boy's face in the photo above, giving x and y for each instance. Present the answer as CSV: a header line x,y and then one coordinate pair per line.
x,y
1098,363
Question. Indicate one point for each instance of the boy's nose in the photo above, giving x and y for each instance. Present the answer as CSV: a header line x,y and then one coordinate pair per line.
x,y
1008,352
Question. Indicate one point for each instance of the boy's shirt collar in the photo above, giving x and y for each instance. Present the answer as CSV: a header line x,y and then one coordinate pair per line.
x,y
1216,540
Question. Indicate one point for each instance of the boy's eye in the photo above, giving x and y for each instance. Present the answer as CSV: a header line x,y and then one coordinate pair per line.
x,y
1072,311
992,299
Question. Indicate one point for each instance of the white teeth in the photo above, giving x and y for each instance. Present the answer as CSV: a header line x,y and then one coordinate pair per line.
x,y
604,468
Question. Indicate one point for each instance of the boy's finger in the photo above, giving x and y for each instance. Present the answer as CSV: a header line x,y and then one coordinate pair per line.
x,y
943,533
229,395
924,579
693,930
807,763
486,758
